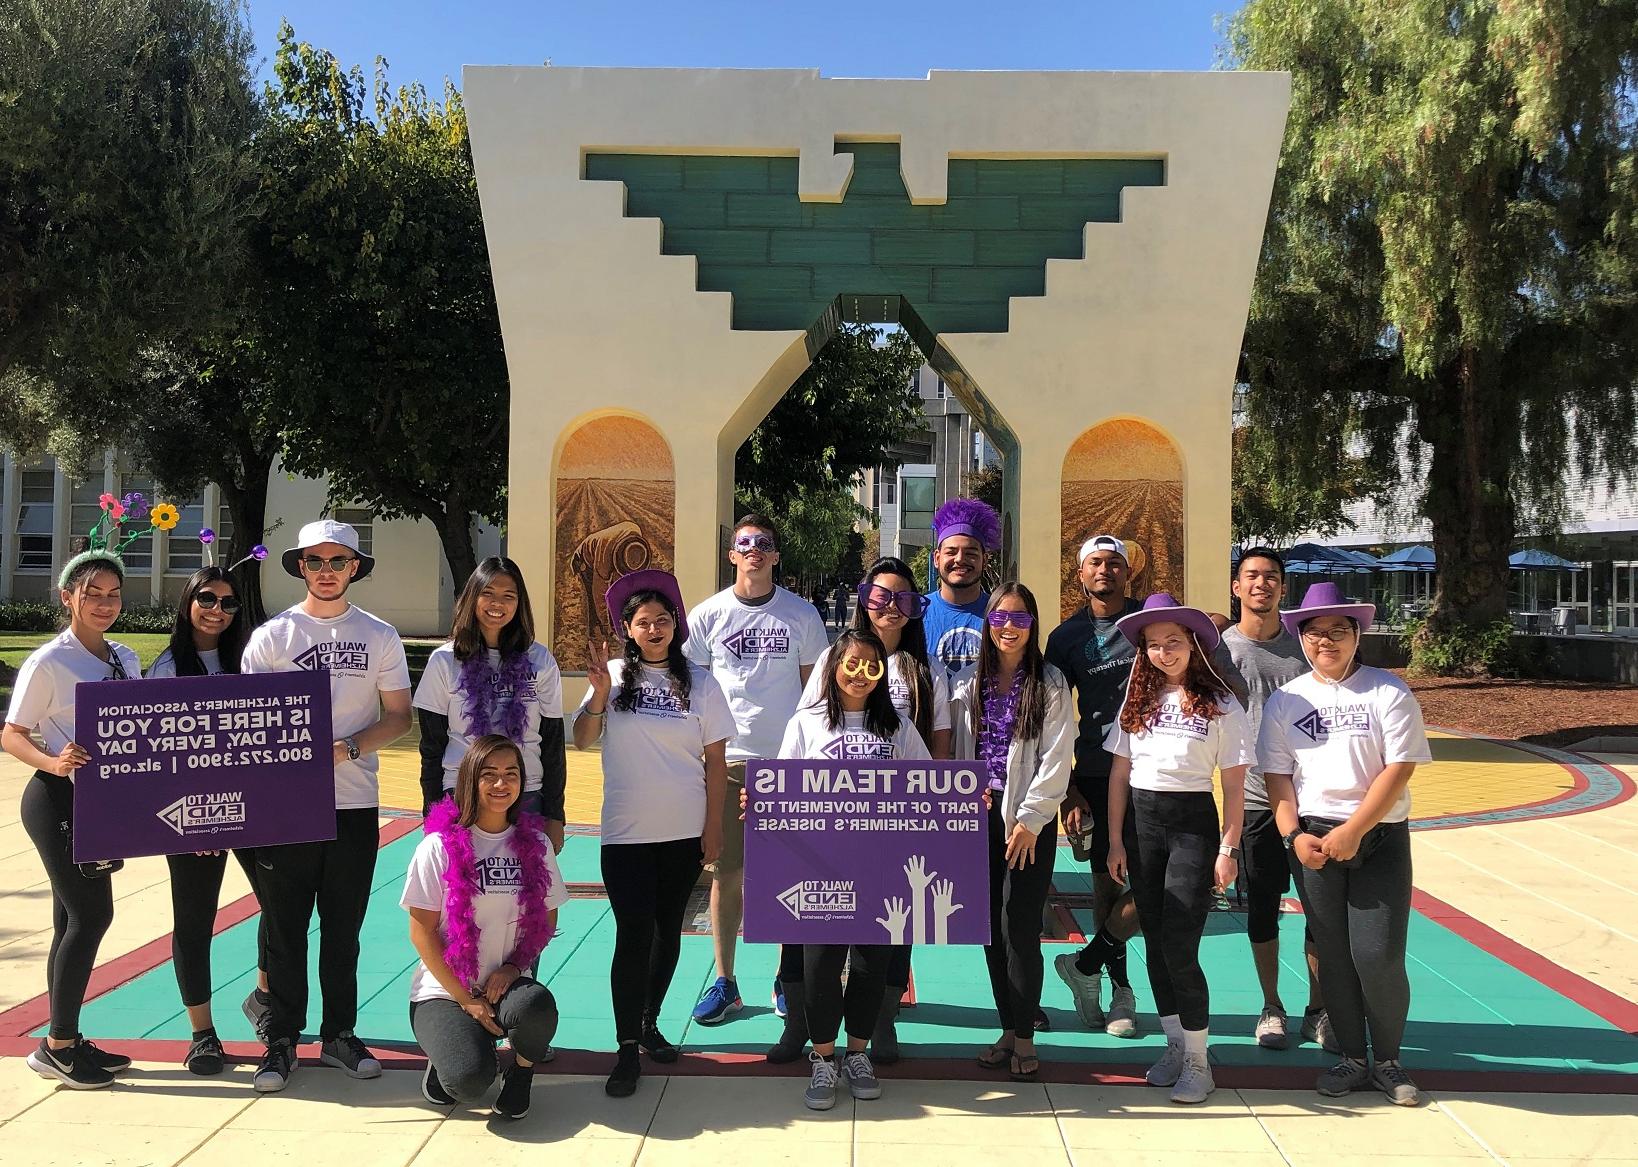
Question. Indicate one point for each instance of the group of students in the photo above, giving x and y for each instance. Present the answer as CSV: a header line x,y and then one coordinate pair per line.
x,y
1313,748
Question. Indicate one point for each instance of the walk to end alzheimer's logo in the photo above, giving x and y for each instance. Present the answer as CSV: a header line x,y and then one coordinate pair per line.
x,y
336,656
204,814
853,745
500,873
821,899
1174,720
759,640
1344,719
658,702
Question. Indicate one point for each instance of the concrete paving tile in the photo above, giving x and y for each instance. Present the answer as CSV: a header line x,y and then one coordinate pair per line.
x,y
1143,1119
760,1108
868,1152
150,1095
1304,1125
763,1152
21,1088
1584,1127
564,1107
499,1142
88,1145
305,1146
961,1114
1132,1157
321,1098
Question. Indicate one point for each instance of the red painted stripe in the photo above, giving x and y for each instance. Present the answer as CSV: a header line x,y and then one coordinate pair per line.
x,y
1578,780
1617,1010
121,970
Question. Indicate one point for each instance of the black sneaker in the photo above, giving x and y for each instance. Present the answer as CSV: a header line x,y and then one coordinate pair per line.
x,y
432,1089
70,1066
658,1046
622,1082
278,1063
205,1056
346,1052
259,1013
513,1101
103,1059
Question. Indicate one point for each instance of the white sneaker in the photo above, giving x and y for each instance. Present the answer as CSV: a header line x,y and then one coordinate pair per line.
x,y
1085,988
1195,1083
1122,1018
1270,1031
1168,1069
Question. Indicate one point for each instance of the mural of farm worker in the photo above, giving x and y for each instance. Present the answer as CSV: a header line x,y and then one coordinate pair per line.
x,y
601,558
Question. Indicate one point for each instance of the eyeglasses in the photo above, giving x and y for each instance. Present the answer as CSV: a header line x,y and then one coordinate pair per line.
x,y
1335,636
875,598
854,665
762,543
336,563
1001,617
208,600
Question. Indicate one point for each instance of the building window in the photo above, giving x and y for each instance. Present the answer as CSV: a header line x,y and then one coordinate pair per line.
x,y
943,390
362,521
139,557
889,479
919,500
34,518
184,554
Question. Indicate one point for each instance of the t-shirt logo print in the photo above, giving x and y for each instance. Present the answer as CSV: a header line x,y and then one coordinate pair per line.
x,y
858,745
500,873
767,640
658,702
1350,719
1176,721
336,656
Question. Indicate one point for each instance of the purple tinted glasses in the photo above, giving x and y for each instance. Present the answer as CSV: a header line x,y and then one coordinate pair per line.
x,y
875,598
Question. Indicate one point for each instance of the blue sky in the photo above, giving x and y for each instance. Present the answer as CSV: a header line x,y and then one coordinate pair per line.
x,y
424,40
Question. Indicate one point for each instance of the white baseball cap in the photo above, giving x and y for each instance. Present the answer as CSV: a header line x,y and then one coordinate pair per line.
x,y
326,531
1102,543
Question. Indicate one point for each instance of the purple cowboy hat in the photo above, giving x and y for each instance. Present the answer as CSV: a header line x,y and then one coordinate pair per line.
x,y
1326,599
1161,606
650,578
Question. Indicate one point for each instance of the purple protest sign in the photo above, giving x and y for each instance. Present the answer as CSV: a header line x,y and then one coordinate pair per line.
x,y
201,763
889,852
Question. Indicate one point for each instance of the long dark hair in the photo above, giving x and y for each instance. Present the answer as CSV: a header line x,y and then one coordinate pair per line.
x,y
518,635
631,673
472,763
1032,695
231,646
881,718
912,643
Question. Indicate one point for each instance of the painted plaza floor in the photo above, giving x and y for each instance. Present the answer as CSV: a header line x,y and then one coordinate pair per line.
x,y
1523,962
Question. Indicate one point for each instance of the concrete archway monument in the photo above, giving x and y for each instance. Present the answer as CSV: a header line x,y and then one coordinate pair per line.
x,y
670,247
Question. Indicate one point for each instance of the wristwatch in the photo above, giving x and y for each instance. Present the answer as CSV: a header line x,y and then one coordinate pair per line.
x,y
1290,840
352,748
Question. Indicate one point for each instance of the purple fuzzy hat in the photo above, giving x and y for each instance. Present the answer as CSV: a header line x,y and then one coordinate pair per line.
x,y
967,516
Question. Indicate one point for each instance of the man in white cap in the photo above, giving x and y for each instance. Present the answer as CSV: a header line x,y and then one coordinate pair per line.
x,y
369,709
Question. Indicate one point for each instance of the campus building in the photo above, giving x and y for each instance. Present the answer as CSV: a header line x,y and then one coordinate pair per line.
x,y
43,510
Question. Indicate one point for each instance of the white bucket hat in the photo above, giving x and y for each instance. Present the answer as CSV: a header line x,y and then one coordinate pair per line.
x,y
326,531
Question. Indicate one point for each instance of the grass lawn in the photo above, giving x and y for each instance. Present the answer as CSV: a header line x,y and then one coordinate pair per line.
x,y
15,647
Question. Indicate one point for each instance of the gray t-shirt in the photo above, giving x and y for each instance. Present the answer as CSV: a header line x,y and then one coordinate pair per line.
x,y
1265,665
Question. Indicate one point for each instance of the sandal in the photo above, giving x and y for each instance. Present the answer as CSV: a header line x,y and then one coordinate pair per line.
x,y
1024,1068
996,1057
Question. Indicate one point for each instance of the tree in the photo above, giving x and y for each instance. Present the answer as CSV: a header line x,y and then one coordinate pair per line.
x,y
1449,266
983,484
815,522
124,126
380,312
1277,499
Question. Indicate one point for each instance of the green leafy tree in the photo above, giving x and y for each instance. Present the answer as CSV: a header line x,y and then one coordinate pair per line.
x,y
380,312
1286,489
124,128
1449,266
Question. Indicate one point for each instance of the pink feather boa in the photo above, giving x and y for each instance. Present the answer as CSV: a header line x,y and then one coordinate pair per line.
x,y
461,885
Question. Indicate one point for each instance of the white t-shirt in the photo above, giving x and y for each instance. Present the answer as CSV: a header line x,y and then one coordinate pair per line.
x,y
42,696
437,693
1179,753
1335,739
756,652
898,687
494,908
808,736
654,755
164,665
364,658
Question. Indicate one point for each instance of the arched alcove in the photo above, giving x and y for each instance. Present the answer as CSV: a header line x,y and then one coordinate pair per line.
x,y
1125,478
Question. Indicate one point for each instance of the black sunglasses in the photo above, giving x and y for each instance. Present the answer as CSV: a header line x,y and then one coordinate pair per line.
x,y
336,563
230,604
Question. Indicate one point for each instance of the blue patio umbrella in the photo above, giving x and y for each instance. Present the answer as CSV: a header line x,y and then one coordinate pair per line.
x,y
1535,559
1317,559
1417,557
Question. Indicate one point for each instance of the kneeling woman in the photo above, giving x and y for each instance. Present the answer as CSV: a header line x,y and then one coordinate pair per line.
x,y
1015,715
854,718
480,891
1339,788
1178,725
665,771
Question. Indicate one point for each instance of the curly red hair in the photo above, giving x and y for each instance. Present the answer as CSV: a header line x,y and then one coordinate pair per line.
x,y
1202,690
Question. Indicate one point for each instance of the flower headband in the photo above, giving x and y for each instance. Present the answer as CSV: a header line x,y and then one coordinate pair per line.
x,y
103,541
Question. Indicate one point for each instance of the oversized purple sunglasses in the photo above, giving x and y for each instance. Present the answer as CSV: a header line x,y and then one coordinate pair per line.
x,y
1001,617
875,598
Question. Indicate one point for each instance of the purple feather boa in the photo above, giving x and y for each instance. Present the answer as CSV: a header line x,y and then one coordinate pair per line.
x,y
461,886
481,686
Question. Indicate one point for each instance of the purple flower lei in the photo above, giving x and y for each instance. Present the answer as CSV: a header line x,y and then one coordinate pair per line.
x,y
461,887
481,686
995,736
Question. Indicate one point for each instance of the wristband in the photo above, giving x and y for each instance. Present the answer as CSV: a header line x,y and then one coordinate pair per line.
x,y
1225,849
590,712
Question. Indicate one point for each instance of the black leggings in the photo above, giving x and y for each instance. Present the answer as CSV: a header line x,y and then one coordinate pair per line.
x,y
822,980
1171,849
648,886
81,908
1014,951
196,886
463,1051
335,878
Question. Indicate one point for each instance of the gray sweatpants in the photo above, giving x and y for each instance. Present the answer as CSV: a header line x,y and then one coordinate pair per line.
x,y
1359,917
463,1051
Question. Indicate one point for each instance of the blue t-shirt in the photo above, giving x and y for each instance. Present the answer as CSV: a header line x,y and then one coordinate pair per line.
x,y
954,632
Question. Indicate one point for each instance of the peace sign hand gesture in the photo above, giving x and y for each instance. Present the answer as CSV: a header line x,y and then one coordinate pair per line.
x,y
597,667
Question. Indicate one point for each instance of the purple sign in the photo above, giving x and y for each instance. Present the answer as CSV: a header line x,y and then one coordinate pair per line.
x,y
202,763
865,852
